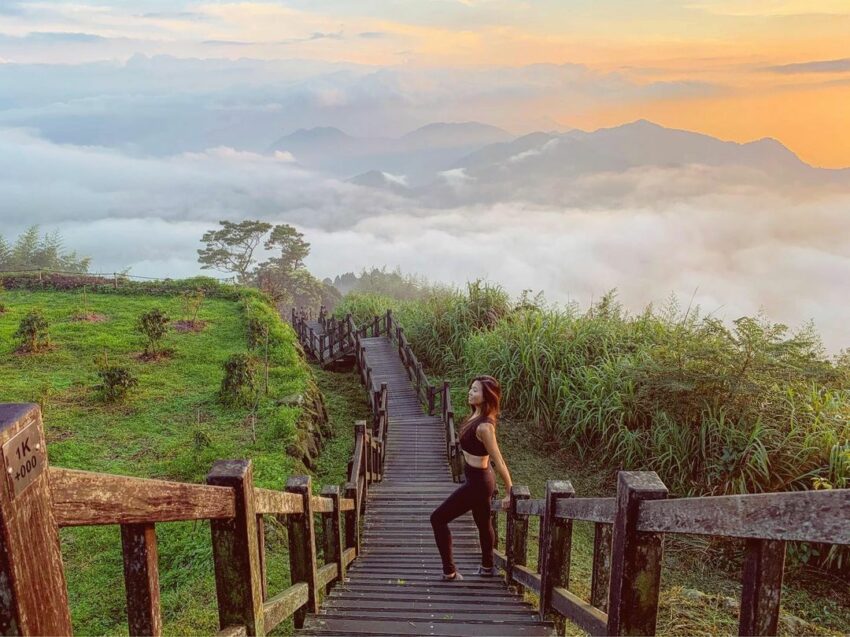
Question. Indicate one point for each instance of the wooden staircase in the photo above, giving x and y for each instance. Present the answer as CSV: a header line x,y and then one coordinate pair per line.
x,y
394,586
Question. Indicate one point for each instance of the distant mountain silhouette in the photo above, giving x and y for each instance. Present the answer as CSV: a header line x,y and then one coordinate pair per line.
x,y
418,155
452,163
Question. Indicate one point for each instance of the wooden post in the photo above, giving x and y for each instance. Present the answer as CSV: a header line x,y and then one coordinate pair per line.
x,y
762,587
261,554
557,540
635,558
516,541
352,518
601,566
431,392
33,595
360,431
389,323
332,527
141,578
302,547
235,551
376,330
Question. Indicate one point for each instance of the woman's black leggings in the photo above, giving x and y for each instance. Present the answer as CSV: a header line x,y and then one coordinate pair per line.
x,y
474,494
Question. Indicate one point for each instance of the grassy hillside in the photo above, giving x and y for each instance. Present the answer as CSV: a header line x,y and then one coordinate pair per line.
x,y
171,426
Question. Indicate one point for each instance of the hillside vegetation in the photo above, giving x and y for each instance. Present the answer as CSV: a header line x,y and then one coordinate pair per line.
x,y
713,408
171,425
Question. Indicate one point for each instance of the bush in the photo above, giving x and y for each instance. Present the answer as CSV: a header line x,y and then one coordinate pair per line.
x,y
33,332
192,301
153,325
239,385
116,382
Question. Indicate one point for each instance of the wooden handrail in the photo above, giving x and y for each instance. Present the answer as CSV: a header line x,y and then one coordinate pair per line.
x,y
82,498
807,516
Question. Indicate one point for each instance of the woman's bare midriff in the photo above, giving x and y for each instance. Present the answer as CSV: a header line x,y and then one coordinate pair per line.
x,y
479,462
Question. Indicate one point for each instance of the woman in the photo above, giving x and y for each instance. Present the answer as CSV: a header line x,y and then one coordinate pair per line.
x,y
478,441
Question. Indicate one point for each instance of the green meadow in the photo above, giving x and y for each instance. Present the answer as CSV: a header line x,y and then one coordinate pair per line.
x,y
170,426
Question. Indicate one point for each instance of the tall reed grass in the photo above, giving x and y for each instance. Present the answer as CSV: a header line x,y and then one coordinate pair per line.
x,y
713,408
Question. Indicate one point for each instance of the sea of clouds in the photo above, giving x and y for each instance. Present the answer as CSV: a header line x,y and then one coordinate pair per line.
x,y
734,249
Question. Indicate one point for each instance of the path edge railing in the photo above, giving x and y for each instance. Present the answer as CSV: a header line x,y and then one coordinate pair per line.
x,y
37,500
629,531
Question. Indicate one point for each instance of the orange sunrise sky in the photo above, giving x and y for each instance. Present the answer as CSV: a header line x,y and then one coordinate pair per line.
x,y
737,70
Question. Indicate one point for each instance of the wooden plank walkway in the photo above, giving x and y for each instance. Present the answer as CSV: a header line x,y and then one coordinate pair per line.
x,y
394,586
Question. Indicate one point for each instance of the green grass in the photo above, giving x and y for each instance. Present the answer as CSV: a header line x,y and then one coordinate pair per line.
x,y
171,427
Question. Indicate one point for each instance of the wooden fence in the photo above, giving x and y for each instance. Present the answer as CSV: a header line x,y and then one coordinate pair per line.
x,y
37,500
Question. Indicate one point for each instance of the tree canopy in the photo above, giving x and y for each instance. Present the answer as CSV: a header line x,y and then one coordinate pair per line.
x,y
31,251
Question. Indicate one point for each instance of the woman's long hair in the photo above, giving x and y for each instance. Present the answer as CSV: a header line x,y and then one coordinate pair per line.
x,y
490,409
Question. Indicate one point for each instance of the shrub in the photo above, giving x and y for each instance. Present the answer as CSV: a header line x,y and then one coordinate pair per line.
x,y
192,301
239,385
153,325
116,382
33,331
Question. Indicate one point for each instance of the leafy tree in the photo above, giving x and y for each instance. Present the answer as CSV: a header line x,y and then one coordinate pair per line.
x,y
291,247
231,248
31,250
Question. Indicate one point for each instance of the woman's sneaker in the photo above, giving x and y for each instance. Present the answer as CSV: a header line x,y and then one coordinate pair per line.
x,y
453,577
487,572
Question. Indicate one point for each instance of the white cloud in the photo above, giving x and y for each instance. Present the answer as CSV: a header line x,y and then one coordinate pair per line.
x,y
647,232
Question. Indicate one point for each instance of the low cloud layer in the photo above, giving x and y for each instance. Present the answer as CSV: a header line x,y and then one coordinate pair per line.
x,y
647,232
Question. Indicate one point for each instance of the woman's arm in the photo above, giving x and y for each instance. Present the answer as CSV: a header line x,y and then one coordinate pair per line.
x,y
487,434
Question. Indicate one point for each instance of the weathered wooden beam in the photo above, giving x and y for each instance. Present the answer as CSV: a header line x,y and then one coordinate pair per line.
x,y
600,579
33,594
556,545
348,556
332,531
302,547
232,631
235,551
516,542
326,574
531,507
269,501
588,509
808,516
141,578
282,606
83,498
526,577
761,592
321,504
635,558
589,619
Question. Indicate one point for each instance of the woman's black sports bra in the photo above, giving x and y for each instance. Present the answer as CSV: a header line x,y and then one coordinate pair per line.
x,y
469,442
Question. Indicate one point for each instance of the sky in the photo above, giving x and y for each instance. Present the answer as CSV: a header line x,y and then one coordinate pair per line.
x,y
735,69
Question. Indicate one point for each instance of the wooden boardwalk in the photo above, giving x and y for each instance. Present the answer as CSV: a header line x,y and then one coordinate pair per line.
x,y
394,586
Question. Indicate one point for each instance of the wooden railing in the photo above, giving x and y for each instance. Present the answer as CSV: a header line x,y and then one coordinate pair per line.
x,y
378,398
37,500
628,544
